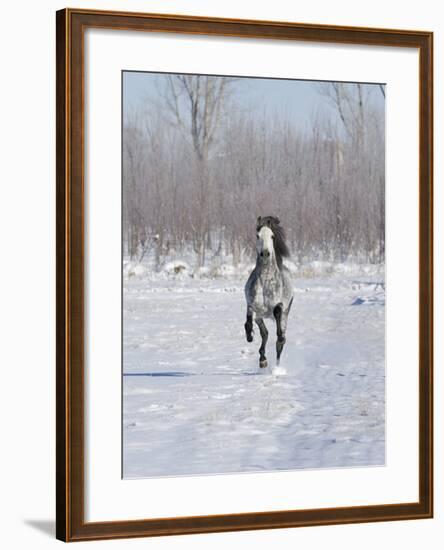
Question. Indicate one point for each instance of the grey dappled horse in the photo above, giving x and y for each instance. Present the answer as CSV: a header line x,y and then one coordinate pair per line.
x,y
268,291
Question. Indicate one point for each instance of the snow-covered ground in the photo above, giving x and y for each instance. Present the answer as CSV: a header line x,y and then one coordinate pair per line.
x,y
196,402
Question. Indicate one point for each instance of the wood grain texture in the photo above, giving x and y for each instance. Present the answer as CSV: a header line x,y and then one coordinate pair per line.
x,y
62,450
70,522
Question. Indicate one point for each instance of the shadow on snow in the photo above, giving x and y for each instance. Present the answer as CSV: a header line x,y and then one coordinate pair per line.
x,y
159,374
179,374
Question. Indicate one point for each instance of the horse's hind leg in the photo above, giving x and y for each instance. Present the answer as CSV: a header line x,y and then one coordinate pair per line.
x,y
264,335
281,325
249,325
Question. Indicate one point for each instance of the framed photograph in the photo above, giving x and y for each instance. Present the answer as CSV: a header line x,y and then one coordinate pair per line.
x,y
244,275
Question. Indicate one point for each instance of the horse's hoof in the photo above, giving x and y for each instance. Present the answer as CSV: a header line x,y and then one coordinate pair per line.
x,y
263,364
249,337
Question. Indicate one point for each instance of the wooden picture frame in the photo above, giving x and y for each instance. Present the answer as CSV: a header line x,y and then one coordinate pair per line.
x,y
70,494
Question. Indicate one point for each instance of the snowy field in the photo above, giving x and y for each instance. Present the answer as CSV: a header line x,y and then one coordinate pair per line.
x,y
196,402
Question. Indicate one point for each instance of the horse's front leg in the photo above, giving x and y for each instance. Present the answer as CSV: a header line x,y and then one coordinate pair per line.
x,y
264,335
249,324
281,325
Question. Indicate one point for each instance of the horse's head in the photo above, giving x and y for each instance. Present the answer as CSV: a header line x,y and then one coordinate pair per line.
x,y
264,242
271,239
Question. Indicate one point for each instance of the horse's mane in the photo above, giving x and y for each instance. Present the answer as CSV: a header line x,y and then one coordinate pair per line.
x,y
280,246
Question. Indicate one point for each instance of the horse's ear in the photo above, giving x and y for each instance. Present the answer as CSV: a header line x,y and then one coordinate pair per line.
x,y
259,220
277,220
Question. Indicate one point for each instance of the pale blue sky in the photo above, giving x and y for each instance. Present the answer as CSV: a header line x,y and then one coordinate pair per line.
x,y
297,100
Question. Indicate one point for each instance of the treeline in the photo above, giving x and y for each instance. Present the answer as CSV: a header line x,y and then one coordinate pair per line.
x,y
198,170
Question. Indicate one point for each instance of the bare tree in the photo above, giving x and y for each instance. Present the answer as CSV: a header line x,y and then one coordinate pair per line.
x,y
195,106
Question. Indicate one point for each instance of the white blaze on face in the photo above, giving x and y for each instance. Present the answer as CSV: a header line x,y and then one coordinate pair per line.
x,y
264,243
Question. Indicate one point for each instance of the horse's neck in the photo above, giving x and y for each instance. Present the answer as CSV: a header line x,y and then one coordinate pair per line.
x,y
268,269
